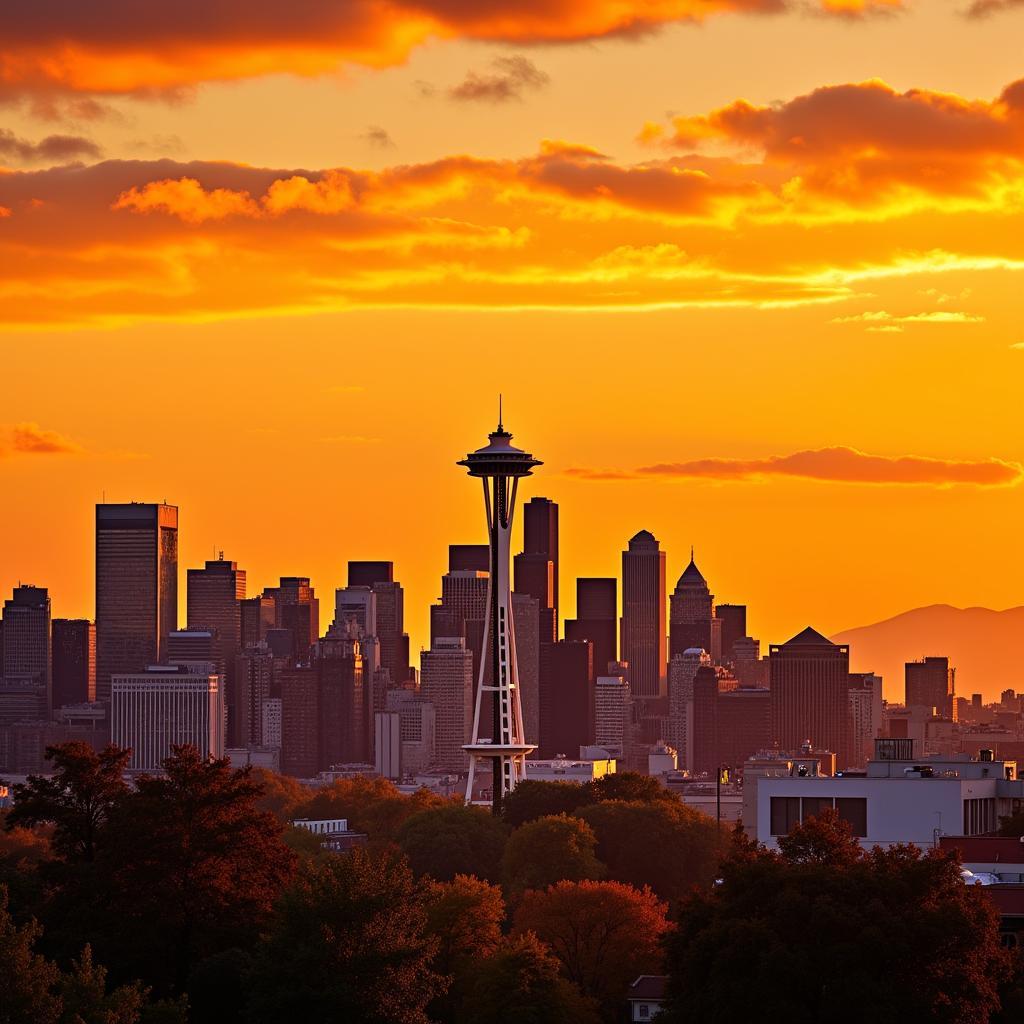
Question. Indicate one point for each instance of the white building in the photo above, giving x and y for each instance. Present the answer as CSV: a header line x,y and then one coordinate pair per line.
x,y
899,799
682,670
164,706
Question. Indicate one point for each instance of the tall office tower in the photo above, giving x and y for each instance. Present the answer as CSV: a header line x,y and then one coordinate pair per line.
x,y
74,662
257,615
705,721
540,537
526,616
196,649
744,724
499,466
535,577
446,680
254,684
215,595
463,600
930,683
808,679
681,672
469,557
643,615
691,610
297,609
355,606
394,641
270,715
611,698
733,618
153,710
747,664
596,619
566,698
866,716
417,717
300,722
345,718
26,621
136,588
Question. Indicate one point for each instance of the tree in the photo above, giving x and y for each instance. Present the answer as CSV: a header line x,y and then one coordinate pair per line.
x,y
454,839
663,844
604,934
464,916
76,799
629,786
22,852
27,979
533,799
347,943
520,983
282,795
190,867
823,929
548,850
85,1000
1012,825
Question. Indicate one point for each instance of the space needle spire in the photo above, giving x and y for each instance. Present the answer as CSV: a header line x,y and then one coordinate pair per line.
x,y
499,465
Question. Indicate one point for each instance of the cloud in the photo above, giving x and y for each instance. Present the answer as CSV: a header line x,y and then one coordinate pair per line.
x,y
52,149
509,79
50,48
839,464
378,137
888,320
984,8
31,439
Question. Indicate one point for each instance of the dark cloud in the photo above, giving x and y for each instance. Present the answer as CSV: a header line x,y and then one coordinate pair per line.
x,y
509,79
378,137
31,439
54,149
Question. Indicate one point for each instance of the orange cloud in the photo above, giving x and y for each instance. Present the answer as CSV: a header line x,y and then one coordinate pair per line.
x,y
837,464
31,439
64,45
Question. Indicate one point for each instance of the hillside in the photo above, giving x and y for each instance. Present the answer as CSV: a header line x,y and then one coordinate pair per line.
x,y
984,645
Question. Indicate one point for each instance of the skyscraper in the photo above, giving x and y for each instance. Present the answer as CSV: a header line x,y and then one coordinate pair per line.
x,y
214,596
297,609
734,627
809,682
394,641
300,722
26,653
930,683
74,661
526,616
151,711
345,720
136,588
611,697
257,615
566,697
643,615
472,557
691,610
499,466
596,619
446,680
535,577
681,672
540,537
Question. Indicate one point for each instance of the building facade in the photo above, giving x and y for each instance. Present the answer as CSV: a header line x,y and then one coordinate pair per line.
x,y
644,641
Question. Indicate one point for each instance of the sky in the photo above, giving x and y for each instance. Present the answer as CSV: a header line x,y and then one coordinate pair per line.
x,y
747,273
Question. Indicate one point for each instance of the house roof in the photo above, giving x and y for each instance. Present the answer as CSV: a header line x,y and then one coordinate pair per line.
x,y
648,986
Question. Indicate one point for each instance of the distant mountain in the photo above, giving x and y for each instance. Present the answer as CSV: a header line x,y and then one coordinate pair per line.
x,y
986,647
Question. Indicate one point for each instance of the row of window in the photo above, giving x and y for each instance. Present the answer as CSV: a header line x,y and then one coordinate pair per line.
x,y
789,811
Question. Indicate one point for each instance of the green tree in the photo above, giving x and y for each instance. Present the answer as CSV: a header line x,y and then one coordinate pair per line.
x,y
454,839
27,979
76,799
347,944
629,786
190,867
520,983
824,930
663,844
548,850
464,917
533,798
604,934
85,1000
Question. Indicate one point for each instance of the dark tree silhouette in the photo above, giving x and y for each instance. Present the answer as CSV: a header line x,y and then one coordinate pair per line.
x,y
629,786
533,799
824,930
454,839
347,943
548,850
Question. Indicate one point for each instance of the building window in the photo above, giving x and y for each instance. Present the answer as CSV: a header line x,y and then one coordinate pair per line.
x,y
645,1011
855,811
785,812
814,805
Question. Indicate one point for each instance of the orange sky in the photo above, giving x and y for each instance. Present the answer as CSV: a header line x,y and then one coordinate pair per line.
x,y
748,274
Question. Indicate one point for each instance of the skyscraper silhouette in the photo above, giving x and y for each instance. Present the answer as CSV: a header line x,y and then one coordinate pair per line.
x,y
691,609
643,615
136,588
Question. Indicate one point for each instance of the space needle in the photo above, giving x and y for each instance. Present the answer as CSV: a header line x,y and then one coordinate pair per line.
x,y
499,465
